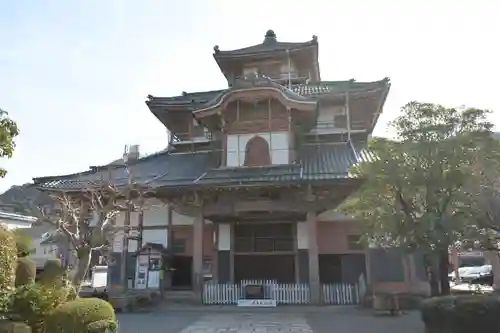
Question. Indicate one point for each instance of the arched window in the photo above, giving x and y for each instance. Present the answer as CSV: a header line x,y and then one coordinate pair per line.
x,y
257,152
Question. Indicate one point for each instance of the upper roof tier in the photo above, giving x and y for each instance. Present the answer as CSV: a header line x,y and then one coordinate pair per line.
x,y
300,59
268,46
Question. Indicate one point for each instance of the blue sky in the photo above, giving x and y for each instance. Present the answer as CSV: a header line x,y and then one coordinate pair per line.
x,y
75,74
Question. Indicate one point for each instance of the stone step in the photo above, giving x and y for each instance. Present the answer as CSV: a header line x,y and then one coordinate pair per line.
x,y
179,297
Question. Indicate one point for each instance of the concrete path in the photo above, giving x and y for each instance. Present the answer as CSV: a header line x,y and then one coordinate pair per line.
x,y
268,321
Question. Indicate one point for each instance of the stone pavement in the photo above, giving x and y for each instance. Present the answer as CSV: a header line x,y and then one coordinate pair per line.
x,y
340,320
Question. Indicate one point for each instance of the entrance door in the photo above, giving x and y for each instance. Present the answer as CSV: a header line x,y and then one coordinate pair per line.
x,y
182,274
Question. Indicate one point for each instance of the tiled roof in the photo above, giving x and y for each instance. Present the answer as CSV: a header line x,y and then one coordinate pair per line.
x,y
270,44
307,90
335,87
162,169
257,81
318,162
241,175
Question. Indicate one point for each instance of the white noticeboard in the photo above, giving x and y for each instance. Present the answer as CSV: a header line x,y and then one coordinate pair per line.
x,y
257,303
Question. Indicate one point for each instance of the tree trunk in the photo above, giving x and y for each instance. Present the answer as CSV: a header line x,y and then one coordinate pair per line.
x,y
444,267
494,260
84,257
432,274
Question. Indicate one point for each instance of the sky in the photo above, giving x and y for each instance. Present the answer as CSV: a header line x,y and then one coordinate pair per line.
x,y
75,74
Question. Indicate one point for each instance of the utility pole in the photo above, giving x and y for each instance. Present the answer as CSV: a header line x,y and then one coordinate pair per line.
x,y
126,226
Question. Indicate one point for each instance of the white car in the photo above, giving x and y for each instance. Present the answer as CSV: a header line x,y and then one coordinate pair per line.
x,y
468,274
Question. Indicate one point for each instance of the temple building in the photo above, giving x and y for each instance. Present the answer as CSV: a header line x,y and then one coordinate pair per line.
x,y
248,186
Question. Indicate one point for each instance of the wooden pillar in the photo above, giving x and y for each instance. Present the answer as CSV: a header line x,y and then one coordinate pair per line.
x,y
231,254
215,251
312,232
198,254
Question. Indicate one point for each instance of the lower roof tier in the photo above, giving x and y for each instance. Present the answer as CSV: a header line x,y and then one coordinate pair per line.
x,y
325,162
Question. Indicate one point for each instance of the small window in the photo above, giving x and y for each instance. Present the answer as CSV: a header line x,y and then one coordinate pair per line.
x,y
354,243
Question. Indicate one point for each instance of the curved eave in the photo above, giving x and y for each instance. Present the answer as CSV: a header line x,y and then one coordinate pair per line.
x,y
255,51
300,103
381,106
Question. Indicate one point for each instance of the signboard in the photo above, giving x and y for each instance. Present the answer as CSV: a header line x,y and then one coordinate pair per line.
x,y
257,303
254,291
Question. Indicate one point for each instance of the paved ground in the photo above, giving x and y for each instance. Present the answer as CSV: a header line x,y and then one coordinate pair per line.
x,y
268,321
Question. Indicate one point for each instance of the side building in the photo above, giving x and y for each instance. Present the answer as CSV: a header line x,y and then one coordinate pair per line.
x,y
248,187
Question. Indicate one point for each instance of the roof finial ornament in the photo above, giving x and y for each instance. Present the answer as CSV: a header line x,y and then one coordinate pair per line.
x,y
315,39
216,49
270,38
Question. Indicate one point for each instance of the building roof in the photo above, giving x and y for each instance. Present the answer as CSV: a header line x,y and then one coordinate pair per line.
x,y
5,216
174,170
255,82
269,45
193,101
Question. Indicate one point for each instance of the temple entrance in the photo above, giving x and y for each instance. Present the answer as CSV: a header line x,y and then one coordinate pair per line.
x,y
280,268
264,251
182,277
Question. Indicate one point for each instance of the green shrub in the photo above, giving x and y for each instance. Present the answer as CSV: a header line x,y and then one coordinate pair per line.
x,y
52,273
14,327
77,315
462,314
23,243
72,294
103,326
25,271
33,302
8,263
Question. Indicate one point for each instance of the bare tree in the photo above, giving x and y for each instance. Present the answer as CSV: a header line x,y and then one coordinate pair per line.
x,y
87,219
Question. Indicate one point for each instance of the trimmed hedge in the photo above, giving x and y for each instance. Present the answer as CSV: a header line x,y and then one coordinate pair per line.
x,y
462,314
52,272
33,302
103,326
14,327
25,271
8,263
77,315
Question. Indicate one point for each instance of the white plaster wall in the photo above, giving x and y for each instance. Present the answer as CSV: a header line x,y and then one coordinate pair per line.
x,y
42,253
224,241
279,147
156,214
326,117
158,236
302,236
332,215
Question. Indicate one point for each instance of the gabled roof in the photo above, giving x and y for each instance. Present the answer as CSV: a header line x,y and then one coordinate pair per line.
x,y
257,82
317,163
269,45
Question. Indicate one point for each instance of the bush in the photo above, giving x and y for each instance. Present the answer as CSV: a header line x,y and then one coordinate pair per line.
x,y
25,271
462,314
14,327
52,273
77,315
23,243
33,302
8,262
103,326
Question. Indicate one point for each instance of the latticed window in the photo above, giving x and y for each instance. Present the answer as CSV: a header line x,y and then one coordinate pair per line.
x,y
273,237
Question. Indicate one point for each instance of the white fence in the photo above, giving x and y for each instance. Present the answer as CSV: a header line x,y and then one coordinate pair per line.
x,y
332,294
